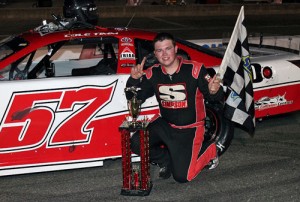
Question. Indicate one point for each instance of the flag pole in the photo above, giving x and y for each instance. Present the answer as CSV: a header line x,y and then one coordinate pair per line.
x,y
230,46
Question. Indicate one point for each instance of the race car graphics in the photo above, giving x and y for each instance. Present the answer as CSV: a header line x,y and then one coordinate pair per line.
x,y
55,117
267,102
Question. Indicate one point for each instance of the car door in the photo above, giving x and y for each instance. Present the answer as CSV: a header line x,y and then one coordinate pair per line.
x,y
67,108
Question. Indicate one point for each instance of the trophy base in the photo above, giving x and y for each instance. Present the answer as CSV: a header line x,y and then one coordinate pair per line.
x,y
136,192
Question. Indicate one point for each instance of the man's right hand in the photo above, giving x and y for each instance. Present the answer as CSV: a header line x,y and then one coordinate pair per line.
x,y
137,71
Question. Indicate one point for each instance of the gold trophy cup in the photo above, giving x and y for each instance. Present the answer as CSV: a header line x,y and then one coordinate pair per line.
x,y
134,106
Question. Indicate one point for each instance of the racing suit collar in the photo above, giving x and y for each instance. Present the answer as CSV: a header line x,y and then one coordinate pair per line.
x,y
178,68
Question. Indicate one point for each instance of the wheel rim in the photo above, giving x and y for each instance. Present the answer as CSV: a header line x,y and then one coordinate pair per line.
x,y
211,126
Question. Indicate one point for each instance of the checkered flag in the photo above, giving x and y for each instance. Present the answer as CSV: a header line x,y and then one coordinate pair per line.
x,y
235,71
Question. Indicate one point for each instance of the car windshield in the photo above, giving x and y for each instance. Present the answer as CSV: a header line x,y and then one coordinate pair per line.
x,y
11,45
78,57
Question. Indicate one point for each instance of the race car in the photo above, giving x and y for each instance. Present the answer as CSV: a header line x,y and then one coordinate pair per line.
x,y
62,94
63,101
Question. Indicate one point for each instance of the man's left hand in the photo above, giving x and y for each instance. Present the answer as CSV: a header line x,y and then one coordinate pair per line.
x,y
214,85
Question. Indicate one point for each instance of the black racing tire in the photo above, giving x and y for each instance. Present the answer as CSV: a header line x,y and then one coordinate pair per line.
x,y
217,127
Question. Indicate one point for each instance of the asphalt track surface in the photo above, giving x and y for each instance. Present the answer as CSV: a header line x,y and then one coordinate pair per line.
x,y
260,168
265,167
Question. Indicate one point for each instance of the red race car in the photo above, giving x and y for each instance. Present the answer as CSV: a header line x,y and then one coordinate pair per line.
x,y
62,94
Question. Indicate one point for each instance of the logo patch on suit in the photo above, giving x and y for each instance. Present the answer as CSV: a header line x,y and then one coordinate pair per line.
x,y
173,96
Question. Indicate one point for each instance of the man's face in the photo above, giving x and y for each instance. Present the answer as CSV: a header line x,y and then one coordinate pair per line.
x,y
165,52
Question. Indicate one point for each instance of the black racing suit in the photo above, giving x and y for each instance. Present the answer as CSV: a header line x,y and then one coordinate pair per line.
x,y
180,125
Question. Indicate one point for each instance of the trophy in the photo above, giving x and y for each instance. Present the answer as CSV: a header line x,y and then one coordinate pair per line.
x,y
136,176
134,106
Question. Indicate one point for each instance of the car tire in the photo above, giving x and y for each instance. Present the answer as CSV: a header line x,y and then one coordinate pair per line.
x,y
217,127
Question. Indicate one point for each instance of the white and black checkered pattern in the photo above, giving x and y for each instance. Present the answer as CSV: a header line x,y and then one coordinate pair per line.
x,y
236,73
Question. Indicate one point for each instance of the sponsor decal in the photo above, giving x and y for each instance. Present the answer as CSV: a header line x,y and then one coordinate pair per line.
x,y
271,102
126,41
127,54
126,44
174,105
173,96
127,65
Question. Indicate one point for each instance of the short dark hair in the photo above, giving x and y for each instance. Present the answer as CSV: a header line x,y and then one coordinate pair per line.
x,y
164,36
